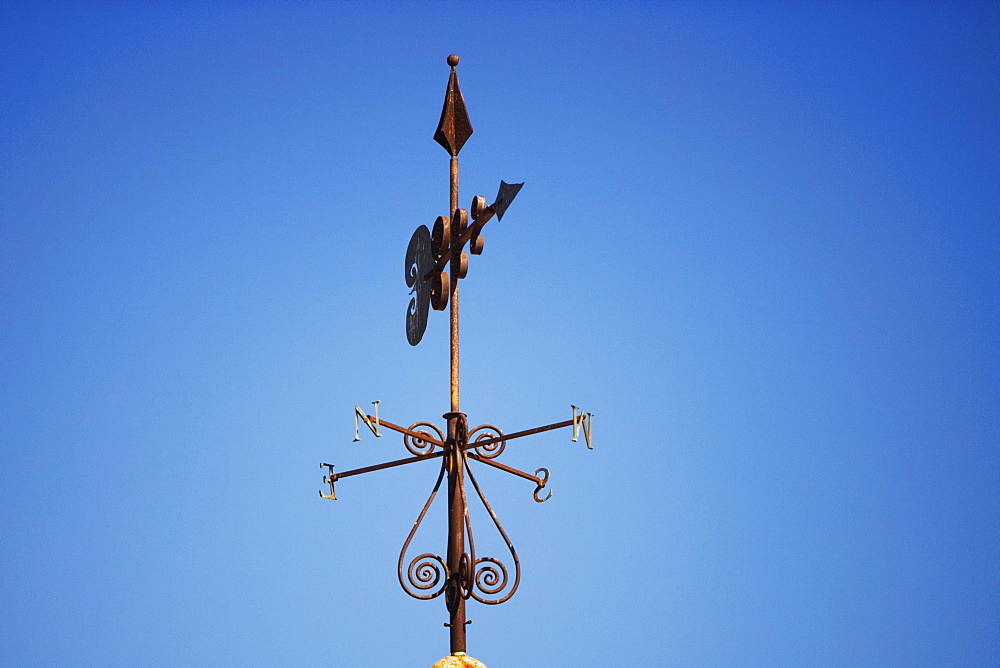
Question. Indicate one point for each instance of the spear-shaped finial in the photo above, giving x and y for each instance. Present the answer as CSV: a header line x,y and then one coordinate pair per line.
x,y
454,128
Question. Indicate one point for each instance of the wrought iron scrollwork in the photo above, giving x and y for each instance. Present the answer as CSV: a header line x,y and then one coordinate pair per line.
x,y
425,571
419,446
489,575
487,579
465,572
488,432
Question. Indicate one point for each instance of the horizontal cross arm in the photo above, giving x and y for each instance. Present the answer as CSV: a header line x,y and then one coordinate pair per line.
x,y
509,469
409,432
519,434
387,465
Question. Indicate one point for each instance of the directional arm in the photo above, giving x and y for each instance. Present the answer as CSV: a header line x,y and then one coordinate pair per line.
x,y
519,434
508,469
540,482
388,465
576,423
423,436
420,443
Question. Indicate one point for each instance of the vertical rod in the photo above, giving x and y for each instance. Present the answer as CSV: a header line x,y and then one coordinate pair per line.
x,y
455,261
454,595
457,436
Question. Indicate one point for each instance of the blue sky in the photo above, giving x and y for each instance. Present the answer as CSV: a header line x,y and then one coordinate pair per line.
x,y
758,241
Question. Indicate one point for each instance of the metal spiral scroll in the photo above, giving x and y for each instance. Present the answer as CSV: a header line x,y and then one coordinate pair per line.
x,y
484,579
419,446
426,570
488,432
488,574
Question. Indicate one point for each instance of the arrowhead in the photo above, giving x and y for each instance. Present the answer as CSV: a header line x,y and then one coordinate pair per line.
x,y
506,195
454,128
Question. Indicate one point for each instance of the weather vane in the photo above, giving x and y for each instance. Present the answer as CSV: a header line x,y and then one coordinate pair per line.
x,y
462,574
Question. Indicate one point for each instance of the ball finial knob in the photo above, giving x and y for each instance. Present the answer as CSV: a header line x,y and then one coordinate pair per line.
x,y
453,60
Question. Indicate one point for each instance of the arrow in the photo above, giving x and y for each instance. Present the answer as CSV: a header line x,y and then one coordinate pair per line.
x,y
506,195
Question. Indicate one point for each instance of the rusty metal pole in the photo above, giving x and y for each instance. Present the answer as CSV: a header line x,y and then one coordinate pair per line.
x,y
457,433
456,254
454,593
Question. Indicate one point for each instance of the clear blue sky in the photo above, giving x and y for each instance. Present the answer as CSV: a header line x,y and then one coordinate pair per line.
x,y
760,242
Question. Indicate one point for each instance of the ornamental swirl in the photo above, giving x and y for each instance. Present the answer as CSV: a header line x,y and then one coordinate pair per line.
x,y
424,573
489,432
426,570
465,569
490,575
420,446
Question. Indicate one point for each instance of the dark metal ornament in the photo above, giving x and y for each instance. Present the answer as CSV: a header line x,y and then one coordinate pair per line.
x,y
419,260
454,128
506,195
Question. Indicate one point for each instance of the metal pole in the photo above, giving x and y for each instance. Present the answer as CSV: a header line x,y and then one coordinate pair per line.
x,y
456,253
457,431
454,592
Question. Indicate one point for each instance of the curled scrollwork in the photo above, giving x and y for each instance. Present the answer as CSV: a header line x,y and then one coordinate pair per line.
x,y
491,577
419,446
465,569
489,432
426,571
467,563
543,475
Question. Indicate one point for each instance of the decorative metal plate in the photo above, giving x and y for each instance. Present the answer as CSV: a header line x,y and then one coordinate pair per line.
x,y
419,260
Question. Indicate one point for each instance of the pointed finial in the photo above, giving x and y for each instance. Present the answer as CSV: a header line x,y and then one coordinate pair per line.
x,y
454,127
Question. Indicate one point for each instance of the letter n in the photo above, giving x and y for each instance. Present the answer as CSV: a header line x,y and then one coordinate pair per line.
x,y
371,425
